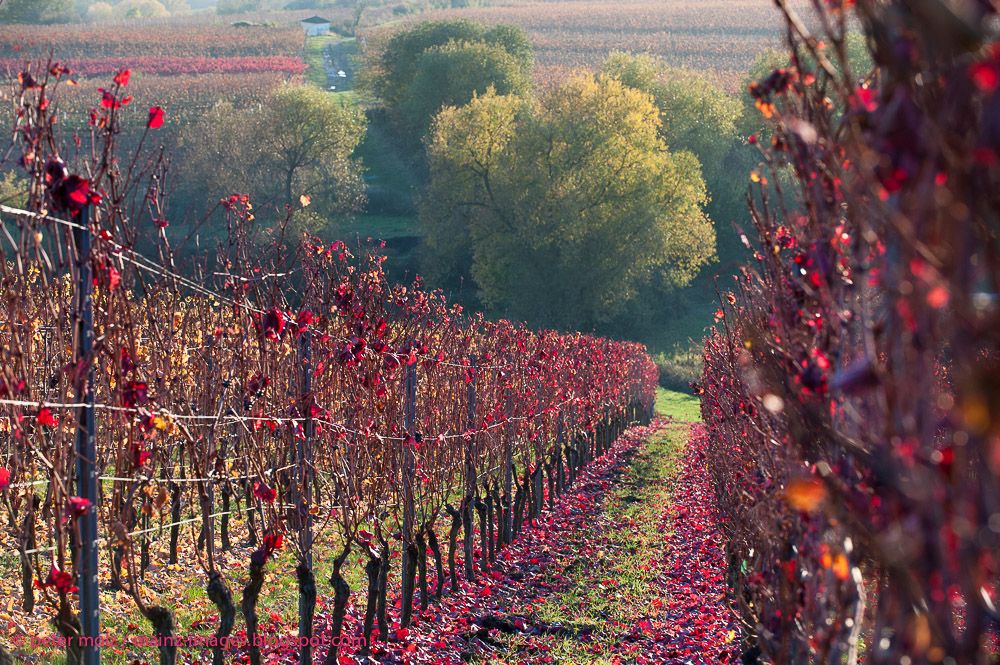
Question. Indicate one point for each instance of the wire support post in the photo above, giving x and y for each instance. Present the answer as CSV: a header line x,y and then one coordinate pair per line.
x,y
86,449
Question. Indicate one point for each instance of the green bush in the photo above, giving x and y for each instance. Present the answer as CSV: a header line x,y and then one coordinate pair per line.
x,y
679,367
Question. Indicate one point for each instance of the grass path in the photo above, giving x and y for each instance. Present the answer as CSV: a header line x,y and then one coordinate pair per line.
x,y
641,580
607,588
679,407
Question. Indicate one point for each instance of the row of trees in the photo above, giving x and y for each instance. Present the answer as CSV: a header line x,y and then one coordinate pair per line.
x,y
67,11
288,377
434,83
850,388
542,199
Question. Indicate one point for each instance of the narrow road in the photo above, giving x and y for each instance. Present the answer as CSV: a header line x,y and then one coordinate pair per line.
x,y
339,71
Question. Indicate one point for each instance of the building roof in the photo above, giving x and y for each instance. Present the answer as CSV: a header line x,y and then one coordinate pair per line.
x,y
315,19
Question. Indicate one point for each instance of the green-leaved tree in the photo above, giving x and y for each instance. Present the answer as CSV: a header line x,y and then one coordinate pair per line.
x,y
299,143
697,115
562,210
444,63
450,75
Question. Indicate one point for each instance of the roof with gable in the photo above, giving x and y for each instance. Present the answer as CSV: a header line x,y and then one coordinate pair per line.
x,y
315,19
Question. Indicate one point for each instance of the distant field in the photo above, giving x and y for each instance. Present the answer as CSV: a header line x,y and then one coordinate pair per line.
x,y
184,65
719,36
178,38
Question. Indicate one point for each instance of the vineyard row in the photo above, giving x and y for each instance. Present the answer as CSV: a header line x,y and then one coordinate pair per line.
x,y
331,405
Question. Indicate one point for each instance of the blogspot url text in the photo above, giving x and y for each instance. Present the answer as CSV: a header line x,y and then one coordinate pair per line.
x,y
187,641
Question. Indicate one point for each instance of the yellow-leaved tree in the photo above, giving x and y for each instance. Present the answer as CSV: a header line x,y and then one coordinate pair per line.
x,y
562,209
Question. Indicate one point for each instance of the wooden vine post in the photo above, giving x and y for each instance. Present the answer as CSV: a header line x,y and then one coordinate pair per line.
x,y
303,512
409,511
86,450
470,475
506,523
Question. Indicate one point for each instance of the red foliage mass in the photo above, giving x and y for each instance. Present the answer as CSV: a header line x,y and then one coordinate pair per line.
x,y
850,386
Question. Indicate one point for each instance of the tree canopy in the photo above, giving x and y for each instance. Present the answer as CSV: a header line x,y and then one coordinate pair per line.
x,y
697,115
561,210
444,63
453,73
37,11
299,143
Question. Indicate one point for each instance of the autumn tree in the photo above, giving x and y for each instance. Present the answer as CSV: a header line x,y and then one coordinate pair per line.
x,y
697,115
299,143
563,209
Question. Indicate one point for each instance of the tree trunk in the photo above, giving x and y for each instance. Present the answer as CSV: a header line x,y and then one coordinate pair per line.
x,y
422,569
342,594
226,494
484,534
408,584
251,593
28,533
383,586
456,524
505,520
289,178
307,610
529,498
118,552
163,624
467,538
372,569
549,473
539,489
47,505
15,510
560,476
220,595
516,515
251,512
175,517
144,547
68,626
493,520
432,542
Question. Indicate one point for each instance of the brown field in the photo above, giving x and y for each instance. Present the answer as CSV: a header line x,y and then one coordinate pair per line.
x,y
719,36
